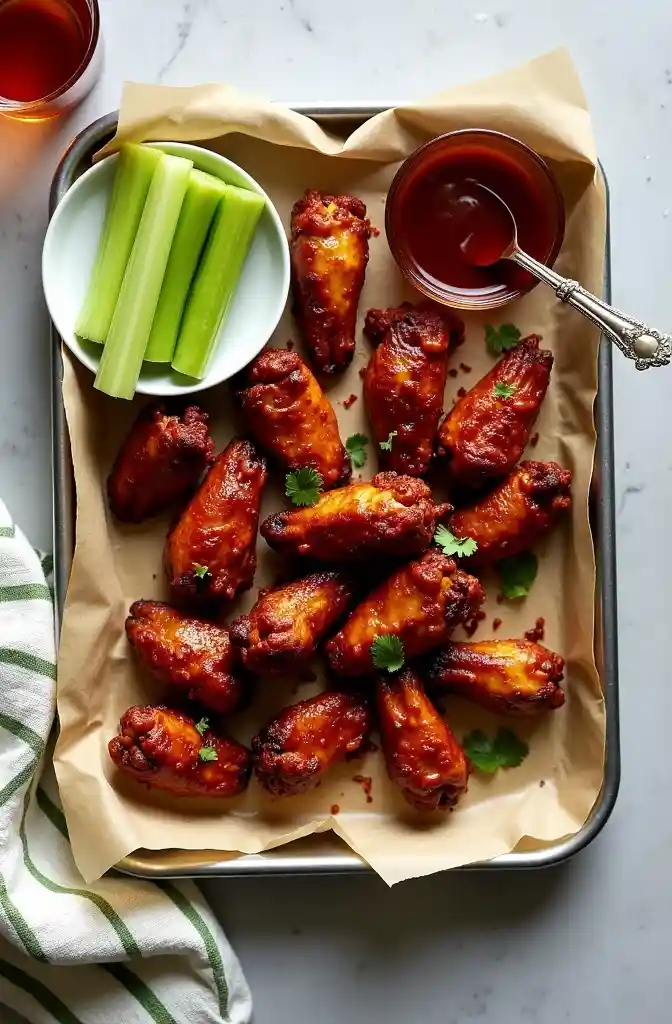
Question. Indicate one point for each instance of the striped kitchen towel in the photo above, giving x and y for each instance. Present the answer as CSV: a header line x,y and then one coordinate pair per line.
x,y
120,951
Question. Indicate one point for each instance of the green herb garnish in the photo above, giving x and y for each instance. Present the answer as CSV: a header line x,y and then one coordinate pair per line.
x,y
387,445
303,486
201,571
202,725
207,754
503,390
501,339
355,446
452,545
517,574
506,750
387,651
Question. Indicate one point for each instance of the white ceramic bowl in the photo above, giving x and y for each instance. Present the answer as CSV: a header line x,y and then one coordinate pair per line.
x,y
70,248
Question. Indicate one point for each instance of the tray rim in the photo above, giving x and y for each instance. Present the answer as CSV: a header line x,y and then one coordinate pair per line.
x,y
281,860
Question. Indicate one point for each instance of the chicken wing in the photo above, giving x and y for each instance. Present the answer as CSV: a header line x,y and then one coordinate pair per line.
x,y
390,515
511,677
405,380
164,748
514,516
283,629
421,604
211,552
289,415
484,434
161,460
422,756
293,751
191,655
330,250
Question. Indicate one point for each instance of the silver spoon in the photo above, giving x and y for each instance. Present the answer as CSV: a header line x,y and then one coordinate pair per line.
x,y
635,340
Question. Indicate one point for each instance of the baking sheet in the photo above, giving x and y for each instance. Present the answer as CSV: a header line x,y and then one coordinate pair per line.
x,y
454,841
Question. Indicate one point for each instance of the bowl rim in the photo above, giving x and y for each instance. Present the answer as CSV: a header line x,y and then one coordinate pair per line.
x,y
60,211
406,266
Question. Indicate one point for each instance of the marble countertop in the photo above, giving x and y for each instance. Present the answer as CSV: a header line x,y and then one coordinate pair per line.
x,y
581,942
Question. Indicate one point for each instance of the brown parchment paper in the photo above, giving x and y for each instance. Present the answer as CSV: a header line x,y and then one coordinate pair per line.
x,y
552,793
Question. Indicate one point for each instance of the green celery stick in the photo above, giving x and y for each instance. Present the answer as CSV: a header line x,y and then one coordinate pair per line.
x,y
124,349
216,279
203,195
132,177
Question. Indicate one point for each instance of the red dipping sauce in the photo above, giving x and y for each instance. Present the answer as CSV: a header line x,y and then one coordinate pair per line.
x,y
430,212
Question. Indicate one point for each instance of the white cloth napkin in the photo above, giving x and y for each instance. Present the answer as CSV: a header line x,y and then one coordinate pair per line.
x,y
121,951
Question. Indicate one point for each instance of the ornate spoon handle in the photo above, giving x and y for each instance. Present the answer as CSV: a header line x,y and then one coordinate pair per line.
x,y
635,340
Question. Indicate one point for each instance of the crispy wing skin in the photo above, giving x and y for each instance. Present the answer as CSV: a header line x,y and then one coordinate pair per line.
x,y
514,516
390,515
283,629
483,435
161,747
422,756
511,677
291,418
420,603
210,553
161,460
405,380
330,250
189,654
293,751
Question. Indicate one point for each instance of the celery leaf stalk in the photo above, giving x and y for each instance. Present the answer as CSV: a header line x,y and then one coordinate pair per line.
x,y
200,203
216,279
124,349
133,173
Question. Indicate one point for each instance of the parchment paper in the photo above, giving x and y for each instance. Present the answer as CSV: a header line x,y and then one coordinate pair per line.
x,y
551,795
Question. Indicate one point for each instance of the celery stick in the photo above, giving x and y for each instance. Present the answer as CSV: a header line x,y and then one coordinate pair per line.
x,y
132,177
216,279
124,349
203,195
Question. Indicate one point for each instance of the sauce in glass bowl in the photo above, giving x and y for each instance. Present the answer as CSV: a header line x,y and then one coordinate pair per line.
x,y
430,211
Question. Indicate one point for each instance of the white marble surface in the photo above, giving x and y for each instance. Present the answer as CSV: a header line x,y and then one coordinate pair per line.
x,y
583,942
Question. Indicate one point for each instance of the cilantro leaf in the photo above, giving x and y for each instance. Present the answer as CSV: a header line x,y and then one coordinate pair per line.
x,y
355,446
202,725
452,545
517,574
503,390
201,571
303,486
387,445
207,754
387,651
506,750
501,339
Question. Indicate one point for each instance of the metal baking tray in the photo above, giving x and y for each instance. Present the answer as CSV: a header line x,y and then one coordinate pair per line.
x,y
326,853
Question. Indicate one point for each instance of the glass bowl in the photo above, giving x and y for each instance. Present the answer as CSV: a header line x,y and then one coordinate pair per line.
x,y
512,170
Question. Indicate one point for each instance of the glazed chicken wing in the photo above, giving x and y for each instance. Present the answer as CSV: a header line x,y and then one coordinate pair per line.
x,y
189,654
161,460
211,552
164,748
330,250
485,433
293,751
422,756
514,516
291,418
405,380
511,677
282,631
390,515
420,603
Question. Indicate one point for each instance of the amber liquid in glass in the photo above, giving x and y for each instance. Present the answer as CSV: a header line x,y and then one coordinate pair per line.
x,y
42,45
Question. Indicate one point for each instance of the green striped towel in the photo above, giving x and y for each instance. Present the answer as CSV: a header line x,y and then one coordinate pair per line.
x,y
120,951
